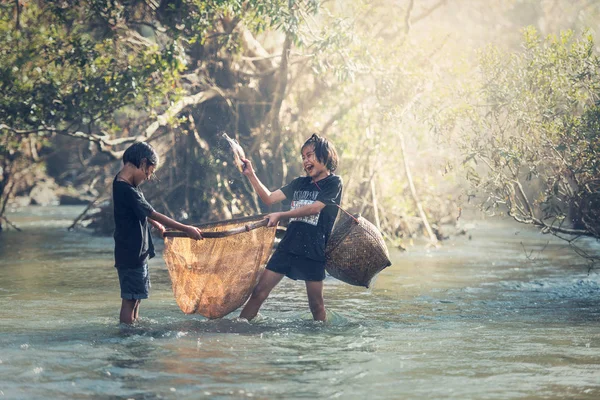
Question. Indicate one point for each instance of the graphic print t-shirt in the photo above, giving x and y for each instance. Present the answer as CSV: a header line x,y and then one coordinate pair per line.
x,y
133,243
307,236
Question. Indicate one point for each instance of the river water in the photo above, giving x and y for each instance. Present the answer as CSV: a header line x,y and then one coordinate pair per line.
x,y
507,313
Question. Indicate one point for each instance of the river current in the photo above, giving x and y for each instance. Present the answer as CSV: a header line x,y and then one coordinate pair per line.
x,y
502,312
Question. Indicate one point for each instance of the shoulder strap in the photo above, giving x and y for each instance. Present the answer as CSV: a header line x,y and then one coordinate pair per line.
x,y
337,205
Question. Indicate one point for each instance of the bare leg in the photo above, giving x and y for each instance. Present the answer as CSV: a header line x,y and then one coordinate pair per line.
x,y
267,282
314,291
128,311
136,310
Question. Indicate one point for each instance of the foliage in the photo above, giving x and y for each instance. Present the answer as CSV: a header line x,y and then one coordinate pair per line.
x,y
99,70
66,66
371,103
372,75
122,67
531,139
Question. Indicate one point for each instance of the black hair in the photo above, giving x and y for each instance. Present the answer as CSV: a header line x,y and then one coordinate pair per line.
x,y
138,152
324,151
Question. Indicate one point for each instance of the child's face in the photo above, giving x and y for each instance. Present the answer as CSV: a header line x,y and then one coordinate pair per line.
x,y
144,172
313,167
149,171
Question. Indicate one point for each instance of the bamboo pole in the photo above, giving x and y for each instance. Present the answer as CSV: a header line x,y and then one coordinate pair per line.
x,y
222,234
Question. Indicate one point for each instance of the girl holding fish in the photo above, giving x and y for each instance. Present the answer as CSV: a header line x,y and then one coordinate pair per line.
x,y
301,253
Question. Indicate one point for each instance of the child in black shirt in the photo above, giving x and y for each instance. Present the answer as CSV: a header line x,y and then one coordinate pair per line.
x,y
301,253
133,214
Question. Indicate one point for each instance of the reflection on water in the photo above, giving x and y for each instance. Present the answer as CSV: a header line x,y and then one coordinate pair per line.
x,y
476,319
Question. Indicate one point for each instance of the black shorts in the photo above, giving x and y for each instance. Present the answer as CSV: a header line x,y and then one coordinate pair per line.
x,y
296,267
135,282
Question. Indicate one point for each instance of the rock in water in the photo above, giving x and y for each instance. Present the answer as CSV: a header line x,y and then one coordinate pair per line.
x,y
44,193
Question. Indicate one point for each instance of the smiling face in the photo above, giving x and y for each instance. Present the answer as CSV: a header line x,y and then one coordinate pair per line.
x,y
313,167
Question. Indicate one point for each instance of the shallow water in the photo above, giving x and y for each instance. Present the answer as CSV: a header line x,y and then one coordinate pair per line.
x,y
510,314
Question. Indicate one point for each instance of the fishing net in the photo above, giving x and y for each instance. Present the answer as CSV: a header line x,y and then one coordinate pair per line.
x,y
356,251
215,276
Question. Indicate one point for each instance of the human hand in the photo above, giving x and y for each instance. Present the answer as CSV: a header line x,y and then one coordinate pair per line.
x,y
193,232
273,218
248,168
160,228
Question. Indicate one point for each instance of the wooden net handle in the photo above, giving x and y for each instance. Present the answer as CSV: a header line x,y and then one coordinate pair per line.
x,y
222,234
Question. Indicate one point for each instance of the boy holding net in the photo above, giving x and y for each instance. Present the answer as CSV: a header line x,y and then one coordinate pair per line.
x,y
301,253
133,217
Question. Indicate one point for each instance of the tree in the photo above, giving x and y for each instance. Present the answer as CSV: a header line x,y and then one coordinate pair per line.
x,y
86,69
269,73
531,136
66,68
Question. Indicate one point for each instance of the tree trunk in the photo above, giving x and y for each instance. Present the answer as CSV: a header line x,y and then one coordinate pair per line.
x,y
413,191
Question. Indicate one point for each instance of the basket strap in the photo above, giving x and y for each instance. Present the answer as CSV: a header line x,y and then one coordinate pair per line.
x,y
338,206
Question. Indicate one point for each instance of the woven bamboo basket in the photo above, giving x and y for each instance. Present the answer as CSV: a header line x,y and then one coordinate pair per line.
x,y
356,251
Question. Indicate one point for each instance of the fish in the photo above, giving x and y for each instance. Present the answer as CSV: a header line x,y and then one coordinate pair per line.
x,y
238,152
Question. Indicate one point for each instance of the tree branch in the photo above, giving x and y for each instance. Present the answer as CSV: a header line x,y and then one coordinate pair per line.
x,y
262,57
549,228
176,108
10,224
148,24
103,141
273,117
339,114
426,13
411,3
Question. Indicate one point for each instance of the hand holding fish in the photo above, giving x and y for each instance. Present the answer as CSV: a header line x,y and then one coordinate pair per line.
x,y
248,168
238,153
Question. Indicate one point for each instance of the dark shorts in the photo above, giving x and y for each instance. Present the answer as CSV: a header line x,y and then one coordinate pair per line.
x,y
135,282
296,267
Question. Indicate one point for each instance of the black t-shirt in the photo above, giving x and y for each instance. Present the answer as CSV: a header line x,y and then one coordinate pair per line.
x,y
307,236
133,243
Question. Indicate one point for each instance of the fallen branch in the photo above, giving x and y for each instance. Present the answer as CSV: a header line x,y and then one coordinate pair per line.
x,y
10,224
86,210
